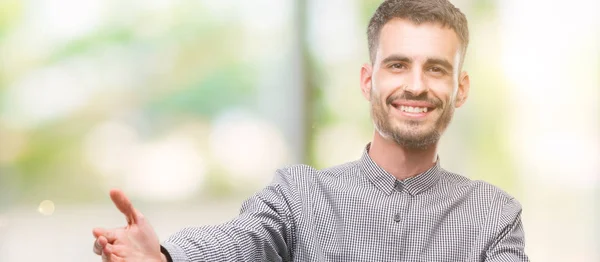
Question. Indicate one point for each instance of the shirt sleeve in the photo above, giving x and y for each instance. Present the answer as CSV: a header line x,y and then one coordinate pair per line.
x,y
509,244
166,253
264,230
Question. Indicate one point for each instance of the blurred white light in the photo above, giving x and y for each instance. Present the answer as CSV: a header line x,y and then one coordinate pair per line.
x,y
46,208
171,169
247,147
258,15
223,8
165,170
62,20
554,89
110,146
333,28
46,94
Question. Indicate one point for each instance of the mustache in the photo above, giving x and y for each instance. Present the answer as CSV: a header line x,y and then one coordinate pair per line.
x,y
406,96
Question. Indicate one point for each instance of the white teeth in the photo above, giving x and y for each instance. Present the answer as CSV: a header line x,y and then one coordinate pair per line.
x,y
411,109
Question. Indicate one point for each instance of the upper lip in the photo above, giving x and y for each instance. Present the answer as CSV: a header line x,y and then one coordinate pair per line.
x,y
412,104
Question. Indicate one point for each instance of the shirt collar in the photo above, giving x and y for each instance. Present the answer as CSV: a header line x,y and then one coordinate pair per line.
x,y
388,183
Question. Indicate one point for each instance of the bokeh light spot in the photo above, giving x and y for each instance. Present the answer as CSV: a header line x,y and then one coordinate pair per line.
x,y
46,208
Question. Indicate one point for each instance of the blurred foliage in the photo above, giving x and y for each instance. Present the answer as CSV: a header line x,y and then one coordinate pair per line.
x,y
97,40
483,9
209,95
192,69
10,11
205,77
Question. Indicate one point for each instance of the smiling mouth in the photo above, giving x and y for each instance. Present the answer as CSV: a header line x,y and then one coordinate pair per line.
x,y
413,109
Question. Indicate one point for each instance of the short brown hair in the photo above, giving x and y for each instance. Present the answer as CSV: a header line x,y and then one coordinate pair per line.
x,y
418,12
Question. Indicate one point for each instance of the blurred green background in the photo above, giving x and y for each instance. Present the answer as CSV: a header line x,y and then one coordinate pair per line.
x,y
190,106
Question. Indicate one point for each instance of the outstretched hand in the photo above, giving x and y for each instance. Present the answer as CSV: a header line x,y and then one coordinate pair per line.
x,y
135,242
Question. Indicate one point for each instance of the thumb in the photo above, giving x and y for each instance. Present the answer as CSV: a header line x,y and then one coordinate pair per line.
x,y
124,205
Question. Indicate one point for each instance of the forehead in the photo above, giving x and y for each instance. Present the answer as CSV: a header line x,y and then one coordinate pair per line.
x,y
402,37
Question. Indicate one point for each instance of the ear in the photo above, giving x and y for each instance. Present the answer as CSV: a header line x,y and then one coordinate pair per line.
x,y
366,76
464,84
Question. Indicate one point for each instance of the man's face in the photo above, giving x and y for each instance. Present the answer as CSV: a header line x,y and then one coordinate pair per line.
x,y
415,82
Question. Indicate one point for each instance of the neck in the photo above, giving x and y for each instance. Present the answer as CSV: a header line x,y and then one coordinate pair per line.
x,y
399,161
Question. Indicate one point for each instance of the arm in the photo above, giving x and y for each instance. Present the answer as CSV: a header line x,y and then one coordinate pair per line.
x,y
264,230
509,244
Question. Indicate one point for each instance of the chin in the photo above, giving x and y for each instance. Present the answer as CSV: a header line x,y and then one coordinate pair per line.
x,y
421,140
412,129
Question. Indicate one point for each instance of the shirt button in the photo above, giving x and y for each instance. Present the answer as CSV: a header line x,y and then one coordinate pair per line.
x,y
398,186
397,217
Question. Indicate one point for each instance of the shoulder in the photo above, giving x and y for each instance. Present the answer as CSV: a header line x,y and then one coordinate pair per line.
x,y
306,174
486,203
478,190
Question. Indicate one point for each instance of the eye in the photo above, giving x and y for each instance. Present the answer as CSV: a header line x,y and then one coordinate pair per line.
x,y
397,66
437,70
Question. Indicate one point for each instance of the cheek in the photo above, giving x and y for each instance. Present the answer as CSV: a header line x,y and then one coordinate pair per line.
x,y
444,92
389,80
376,99
386,84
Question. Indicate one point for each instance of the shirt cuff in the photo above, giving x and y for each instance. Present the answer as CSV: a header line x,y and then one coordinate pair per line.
x,y
173,252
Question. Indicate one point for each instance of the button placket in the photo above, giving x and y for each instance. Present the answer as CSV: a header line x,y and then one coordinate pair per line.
x,y
399,214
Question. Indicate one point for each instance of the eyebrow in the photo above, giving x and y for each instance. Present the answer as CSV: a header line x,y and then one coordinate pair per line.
x,y
430,60
396,58
440,61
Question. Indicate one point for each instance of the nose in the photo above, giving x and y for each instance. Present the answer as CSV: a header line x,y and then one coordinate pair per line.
x,y
416,84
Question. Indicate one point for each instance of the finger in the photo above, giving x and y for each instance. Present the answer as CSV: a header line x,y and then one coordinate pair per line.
x,y
98,231
124,205
118,250
99,245
139,217
110,254
106,256
107,250
109,234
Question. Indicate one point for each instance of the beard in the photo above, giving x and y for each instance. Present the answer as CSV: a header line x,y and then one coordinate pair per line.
x,y
410,134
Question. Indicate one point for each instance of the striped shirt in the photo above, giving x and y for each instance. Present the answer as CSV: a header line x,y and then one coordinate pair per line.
x,y
359,212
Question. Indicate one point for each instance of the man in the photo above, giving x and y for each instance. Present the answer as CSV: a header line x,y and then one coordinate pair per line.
x,y
395,203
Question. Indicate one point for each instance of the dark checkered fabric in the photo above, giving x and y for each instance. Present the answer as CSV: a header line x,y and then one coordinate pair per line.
x,y
359,212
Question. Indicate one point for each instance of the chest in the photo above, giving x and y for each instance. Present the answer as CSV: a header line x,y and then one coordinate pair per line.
x,y
362,225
